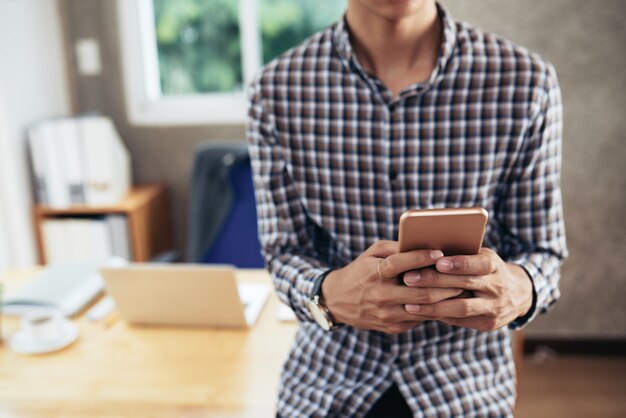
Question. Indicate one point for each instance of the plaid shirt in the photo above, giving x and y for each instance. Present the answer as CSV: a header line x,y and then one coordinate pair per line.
x,y
336,160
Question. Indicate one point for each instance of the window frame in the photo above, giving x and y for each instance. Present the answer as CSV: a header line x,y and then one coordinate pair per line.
x,y
146,105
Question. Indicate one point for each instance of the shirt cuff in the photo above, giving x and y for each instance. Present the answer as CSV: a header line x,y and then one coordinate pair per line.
x,y
294,282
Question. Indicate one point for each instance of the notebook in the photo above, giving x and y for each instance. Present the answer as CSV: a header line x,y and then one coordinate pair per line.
x,y
184,294
67,287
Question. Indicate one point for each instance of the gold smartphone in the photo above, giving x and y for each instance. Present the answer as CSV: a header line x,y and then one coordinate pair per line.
x,y
453,231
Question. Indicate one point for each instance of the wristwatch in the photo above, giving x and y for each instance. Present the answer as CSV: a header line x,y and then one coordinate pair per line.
x,y
316,306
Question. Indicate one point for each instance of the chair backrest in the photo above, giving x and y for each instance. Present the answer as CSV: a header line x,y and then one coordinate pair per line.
x,y
237,242
222,217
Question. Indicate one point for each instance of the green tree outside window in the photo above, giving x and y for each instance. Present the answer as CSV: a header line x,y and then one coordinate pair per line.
x,y
198,41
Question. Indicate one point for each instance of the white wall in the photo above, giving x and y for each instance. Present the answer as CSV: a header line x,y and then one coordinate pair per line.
x,y
33,86
4,156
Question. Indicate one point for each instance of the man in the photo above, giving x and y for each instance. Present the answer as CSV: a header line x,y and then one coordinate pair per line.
x,y
397,107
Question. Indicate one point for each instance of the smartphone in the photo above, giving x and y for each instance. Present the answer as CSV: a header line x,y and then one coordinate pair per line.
x,y
453,231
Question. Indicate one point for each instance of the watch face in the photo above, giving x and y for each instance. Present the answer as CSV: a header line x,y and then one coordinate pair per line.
x,y
319,315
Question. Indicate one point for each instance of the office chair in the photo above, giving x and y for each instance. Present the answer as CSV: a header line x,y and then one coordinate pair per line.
x,y
222,216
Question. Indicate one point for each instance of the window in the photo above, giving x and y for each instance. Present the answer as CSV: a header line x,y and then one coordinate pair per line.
x,y
188,61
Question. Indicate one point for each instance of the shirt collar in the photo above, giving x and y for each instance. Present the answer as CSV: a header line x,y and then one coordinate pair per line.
x,y
341,40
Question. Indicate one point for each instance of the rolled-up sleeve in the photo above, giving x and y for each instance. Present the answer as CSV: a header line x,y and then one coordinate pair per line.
x,y
289,241
532,210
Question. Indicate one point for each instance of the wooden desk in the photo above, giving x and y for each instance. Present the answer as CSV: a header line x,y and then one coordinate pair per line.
x,y
120,371
123,371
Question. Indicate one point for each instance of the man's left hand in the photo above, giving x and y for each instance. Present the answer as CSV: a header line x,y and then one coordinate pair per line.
x,y
502,291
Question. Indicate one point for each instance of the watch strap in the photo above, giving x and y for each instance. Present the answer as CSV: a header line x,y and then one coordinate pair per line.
x,y
316,297
317,284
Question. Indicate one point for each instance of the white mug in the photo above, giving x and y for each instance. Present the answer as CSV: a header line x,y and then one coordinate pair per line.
x,y
43,328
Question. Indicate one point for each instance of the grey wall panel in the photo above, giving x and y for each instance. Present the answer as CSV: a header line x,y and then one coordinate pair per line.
x,y
582,38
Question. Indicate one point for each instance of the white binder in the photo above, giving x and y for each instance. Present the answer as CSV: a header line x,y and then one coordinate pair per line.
x,y
107,162
70,144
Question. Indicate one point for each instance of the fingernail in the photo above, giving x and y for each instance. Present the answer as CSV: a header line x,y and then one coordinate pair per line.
x,y
411,277
412,308
444,265
435,255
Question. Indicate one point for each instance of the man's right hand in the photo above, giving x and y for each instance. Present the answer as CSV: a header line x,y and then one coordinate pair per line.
x,y
357,295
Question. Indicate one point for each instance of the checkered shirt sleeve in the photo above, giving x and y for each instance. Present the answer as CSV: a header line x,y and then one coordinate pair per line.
x,y
296,252
532,210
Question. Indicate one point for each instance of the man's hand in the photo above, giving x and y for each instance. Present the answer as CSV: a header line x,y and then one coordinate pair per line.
x,y
357,295
502,291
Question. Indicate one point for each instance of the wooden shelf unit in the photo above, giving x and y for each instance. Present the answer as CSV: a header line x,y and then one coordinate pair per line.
x,y
147,211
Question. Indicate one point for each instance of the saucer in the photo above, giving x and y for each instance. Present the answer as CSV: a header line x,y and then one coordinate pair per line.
x,y
24,344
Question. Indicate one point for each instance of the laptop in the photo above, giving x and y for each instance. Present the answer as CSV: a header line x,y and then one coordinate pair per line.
x,y
184,294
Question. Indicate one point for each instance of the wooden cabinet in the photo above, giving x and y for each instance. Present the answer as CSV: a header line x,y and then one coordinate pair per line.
x,y
148,216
